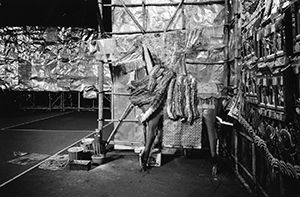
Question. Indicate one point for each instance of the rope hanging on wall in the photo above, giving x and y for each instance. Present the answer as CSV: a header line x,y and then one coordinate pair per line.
x,y
284,167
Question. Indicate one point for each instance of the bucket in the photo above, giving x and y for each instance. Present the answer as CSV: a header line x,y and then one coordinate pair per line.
x,y
87,144
97,159
75,153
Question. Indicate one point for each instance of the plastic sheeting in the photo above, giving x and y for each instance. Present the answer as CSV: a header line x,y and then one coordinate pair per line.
x,y
49,59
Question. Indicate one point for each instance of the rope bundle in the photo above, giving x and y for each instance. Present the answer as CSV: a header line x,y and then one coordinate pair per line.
x,y
284,167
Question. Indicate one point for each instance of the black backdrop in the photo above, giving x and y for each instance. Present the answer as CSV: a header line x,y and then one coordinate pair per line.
x,y
69,13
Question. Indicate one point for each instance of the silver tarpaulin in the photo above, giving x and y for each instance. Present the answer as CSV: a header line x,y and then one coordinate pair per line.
x,y
49,59
156,18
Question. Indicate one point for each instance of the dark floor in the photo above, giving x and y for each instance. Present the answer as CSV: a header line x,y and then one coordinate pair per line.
x,y
120,175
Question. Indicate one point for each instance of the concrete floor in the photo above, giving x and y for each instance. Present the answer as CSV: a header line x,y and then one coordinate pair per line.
x,y
119,175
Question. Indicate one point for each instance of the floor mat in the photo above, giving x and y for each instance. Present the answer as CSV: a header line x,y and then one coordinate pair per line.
x,y
29,159
57,162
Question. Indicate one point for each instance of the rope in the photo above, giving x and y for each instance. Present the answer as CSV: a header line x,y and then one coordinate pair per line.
x,y
282,166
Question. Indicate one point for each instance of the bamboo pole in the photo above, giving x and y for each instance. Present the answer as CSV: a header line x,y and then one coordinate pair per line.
x,y
226,42
150,31
99,15
183,18
254,167
49,99
236,161
144,14
78,101
99,133
236,47
169,4
125,113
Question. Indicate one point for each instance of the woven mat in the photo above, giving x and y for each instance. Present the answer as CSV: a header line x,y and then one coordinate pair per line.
x,y
29,159
57,162
177,134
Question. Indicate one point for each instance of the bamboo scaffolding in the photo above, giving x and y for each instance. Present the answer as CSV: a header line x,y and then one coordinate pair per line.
x,y
143,30
151,31
123,116
168,4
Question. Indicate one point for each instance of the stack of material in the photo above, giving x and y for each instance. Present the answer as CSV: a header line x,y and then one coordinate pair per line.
x,y
151,90
162,85
182,99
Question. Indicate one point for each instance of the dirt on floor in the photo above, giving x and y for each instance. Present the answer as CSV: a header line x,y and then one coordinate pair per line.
x,y
120,175
179,175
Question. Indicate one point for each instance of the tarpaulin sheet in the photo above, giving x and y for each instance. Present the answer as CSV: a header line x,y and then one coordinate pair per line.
x,y
49,59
